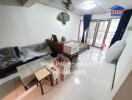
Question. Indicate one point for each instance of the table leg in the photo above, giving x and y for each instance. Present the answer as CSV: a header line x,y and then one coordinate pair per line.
x,y
25,87
51,80
37,84
41,87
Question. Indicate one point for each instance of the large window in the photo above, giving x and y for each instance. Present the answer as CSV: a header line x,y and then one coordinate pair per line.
x,y
100,32
112,30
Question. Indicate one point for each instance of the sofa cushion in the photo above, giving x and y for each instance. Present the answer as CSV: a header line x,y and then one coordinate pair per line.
x,y
7,52
115,51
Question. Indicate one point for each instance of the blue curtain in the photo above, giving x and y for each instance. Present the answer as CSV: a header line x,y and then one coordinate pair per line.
x,y
122,26
86,22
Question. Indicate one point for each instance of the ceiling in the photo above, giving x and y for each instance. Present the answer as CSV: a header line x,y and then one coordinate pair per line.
x,y
103,6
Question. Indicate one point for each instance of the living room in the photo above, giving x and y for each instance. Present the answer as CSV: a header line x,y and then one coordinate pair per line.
x,y
65,49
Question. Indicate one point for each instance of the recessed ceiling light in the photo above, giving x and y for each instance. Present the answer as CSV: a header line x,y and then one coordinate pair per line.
x,y
87,5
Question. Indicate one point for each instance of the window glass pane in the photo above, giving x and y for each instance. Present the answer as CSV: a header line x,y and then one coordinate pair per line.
x,y
81,31
91,32
112,30
101,33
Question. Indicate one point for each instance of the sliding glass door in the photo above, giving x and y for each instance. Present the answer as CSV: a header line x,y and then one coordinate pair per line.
x,y
112,30
91,32
101,32
80,31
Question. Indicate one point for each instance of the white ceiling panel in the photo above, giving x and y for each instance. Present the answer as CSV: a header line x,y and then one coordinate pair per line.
x,y
103,6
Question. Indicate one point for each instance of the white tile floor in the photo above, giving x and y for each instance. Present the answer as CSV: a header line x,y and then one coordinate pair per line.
x,y
81,86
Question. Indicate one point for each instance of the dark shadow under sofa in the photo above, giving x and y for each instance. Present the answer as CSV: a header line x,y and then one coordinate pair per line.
x,y
12,57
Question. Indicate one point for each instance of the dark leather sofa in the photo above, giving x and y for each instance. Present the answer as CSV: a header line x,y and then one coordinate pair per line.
x,y
11,57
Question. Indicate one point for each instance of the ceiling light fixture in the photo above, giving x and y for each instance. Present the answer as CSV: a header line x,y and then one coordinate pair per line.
x,y
87,5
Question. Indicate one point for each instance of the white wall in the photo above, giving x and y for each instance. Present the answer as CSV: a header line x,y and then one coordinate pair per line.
x,y
22,26
128,31
103,16
124,65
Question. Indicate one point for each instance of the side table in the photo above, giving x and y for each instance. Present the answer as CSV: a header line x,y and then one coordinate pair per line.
x,y
41,75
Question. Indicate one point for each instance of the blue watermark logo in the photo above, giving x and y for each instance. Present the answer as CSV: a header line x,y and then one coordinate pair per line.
x,y
117,10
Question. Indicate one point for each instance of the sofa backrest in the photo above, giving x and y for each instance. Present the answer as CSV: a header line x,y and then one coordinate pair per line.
x,y
124,65
41,48
7,52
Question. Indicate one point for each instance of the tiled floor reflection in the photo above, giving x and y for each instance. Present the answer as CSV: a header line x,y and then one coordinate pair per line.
x,y
93,84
